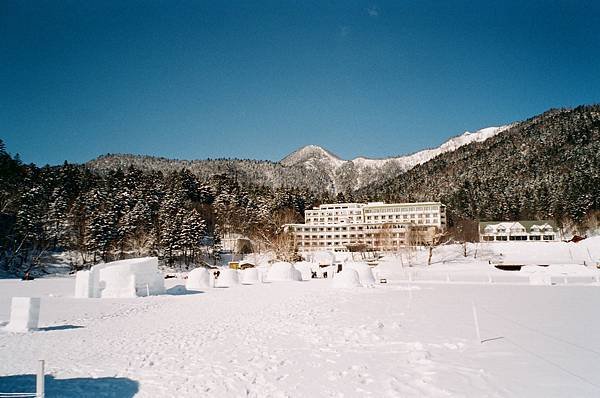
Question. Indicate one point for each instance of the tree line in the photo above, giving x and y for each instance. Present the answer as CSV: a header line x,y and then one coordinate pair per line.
x,y
114,214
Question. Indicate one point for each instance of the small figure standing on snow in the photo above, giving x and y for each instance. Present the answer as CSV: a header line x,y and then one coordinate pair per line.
x,y
27,277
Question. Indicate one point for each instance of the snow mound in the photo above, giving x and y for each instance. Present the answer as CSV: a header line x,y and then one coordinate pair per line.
x,y
323,258
283,272
227,278
305,269
389,269
365,275
117,279
198,279
250,276
348,278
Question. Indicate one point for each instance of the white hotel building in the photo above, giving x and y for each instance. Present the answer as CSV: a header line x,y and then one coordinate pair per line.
x,y
368,226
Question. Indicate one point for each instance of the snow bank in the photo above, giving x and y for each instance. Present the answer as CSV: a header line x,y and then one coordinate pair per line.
x,y
365,275
305,269
24,314
199,279
389,269
545,253
540,278
282,272
250,276
227,278
125,278
348,278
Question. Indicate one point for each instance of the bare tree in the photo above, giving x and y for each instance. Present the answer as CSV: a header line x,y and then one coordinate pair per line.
x,y
273,234
464,231
437,239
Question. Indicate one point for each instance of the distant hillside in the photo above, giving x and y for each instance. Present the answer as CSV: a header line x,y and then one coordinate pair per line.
x,y
310,167
545,167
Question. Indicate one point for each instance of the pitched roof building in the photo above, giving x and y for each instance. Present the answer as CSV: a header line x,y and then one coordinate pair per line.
x,y
523,230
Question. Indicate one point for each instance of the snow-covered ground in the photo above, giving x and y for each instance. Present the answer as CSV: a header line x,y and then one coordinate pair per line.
x,y
303,339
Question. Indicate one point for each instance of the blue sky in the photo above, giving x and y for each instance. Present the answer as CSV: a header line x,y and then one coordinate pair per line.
x,y
192,79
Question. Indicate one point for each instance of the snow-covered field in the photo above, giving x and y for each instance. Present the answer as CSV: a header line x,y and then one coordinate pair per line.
x,y
304,339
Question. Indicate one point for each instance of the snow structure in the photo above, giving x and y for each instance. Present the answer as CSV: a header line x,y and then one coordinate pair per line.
x,y
24,314
125,278
199,279
387,267
283,272
322,262
227,278
323,258
365,274
250,276
305,269
348,278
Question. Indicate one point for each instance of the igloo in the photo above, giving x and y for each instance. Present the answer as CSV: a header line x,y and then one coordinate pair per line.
x,y
365,274
227,278
305,269
348,278
125,278
250,276
283,272
199,279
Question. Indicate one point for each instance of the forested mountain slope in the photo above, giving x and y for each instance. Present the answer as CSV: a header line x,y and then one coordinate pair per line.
x,y
545,167
311,167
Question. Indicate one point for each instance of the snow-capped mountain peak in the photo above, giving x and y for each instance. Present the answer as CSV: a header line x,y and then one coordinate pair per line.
x,y
362,170
310,154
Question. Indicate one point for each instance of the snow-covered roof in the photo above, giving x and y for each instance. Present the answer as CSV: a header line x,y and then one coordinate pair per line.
x,y
527,225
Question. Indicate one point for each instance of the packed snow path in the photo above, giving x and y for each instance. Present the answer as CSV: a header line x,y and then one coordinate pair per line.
x,y
302,339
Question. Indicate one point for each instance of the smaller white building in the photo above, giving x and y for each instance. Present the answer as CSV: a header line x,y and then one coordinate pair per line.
x,y
524,230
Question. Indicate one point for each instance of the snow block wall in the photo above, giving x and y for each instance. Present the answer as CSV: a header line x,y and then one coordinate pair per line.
x,y
24,314
120,279
83,284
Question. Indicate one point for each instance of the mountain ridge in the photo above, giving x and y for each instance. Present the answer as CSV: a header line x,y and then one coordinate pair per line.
x,y
310,167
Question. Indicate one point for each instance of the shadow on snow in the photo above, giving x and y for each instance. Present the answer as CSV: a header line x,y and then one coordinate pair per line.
x,y
77,387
